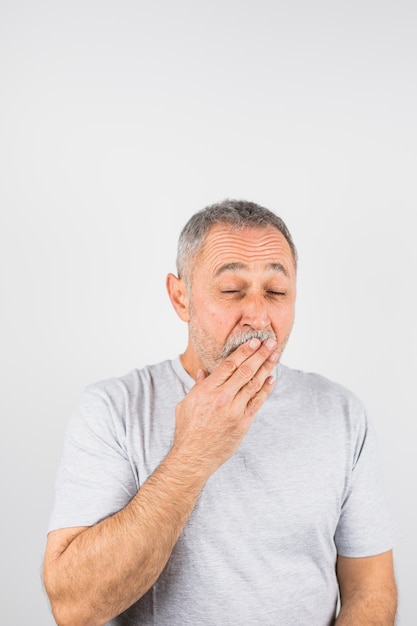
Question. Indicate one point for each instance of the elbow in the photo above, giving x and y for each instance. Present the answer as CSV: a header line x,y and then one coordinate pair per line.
x,y
71,615
62,616
66,611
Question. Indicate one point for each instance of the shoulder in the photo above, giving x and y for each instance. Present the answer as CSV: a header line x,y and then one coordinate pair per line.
x,y
316,383
318,394
116,400
136,380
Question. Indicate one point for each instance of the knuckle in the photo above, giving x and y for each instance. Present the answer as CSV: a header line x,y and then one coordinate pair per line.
x,y
220,398
245,371
254,384
229,365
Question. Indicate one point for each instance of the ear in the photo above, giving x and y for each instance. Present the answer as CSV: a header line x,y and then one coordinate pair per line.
x,y
178,296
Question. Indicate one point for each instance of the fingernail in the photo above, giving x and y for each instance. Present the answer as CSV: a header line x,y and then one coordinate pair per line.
x,y
270,343
254,343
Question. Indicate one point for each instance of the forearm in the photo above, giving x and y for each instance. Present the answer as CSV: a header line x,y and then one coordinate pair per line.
x,y
109,566
362,609
368,590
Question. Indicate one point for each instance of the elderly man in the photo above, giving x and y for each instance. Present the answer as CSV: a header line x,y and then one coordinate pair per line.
x,y
222,487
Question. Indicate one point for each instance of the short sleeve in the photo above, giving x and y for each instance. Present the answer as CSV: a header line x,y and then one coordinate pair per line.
x,y
366,526
95,478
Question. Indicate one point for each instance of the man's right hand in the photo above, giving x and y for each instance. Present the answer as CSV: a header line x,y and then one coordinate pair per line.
x,y
216,414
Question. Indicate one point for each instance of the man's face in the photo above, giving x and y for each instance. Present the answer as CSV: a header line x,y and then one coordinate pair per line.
x,y
243,285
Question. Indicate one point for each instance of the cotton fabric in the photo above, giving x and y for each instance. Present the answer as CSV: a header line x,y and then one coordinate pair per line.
x,y
261,544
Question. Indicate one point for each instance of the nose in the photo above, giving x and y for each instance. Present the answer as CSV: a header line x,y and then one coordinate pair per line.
x,y
255,312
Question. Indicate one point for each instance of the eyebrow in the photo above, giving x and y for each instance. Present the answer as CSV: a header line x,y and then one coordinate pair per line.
x,y
236,267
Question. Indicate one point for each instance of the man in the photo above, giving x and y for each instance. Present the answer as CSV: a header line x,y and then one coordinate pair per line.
x,y
222,487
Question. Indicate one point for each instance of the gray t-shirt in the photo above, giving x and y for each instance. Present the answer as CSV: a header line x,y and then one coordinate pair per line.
x,y
260,546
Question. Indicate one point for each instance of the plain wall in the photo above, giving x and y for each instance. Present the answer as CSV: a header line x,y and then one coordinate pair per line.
x,y
120,119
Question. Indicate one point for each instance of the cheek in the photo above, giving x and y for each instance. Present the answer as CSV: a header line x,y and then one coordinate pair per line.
x,y
283,319
219,317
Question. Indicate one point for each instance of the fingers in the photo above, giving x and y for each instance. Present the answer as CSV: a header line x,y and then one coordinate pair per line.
x,y
251,397
216,414
200,376
247,368
254,392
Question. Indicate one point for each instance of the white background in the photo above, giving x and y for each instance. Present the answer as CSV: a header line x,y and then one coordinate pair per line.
x,y
118,120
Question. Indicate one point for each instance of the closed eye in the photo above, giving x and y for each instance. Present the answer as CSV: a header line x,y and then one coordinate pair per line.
x,y
233,293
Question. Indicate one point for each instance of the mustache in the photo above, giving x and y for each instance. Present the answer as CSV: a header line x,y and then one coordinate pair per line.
x,y
233,342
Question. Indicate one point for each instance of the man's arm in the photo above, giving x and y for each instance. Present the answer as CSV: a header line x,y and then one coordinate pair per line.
x,y
93,574
368,591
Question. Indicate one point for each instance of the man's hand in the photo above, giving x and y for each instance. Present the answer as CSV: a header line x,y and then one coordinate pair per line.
x,y
216,414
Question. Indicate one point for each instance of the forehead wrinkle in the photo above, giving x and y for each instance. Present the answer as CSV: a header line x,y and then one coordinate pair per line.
x,y
245,249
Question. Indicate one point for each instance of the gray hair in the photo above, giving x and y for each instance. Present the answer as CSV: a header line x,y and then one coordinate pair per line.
x,y
239,214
